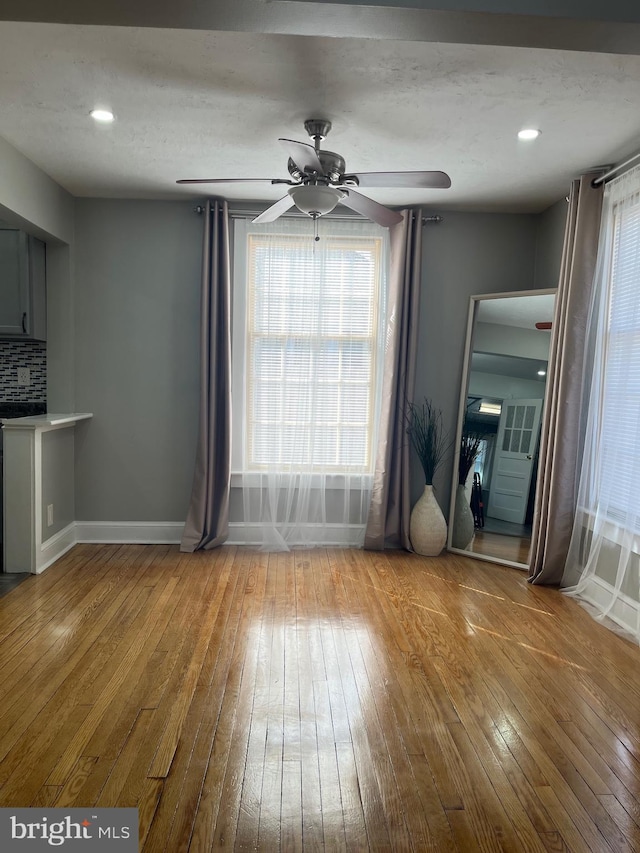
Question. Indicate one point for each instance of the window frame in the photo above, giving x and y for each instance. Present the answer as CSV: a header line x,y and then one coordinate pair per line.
x,y
241,314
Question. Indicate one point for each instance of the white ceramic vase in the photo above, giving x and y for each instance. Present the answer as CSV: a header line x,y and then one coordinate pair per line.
x,y
427,528
463,524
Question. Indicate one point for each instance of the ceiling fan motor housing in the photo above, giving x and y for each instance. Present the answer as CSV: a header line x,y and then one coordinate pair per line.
x,y
333,167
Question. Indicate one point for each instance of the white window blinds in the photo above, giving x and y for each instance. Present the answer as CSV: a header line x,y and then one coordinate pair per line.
x,y
619,468
313,314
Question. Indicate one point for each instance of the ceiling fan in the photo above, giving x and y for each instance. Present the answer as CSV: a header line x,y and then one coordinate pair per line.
x,y
319,181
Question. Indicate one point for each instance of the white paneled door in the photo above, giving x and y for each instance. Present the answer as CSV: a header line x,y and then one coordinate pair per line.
x,y
513,461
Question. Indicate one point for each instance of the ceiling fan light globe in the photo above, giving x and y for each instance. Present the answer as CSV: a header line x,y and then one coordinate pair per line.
x,y
315,200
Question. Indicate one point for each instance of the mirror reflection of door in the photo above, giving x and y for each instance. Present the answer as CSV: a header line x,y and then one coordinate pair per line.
x,y
502,401
513,460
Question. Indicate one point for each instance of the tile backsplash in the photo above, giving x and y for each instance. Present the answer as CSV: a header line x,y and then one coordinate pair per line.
x,y
30,354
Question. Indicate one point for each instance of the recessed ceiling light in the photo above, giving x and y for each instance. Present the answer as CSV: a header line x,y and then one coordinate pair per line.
x,y
104,116
528,133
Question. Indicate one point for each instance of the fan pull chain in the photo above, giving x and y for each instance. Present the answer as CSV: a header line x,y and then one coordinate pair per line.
x,y
315,229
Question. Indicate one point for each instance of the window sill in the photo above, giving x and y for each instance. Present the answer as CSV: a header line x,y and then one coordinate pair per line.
x,y
339,482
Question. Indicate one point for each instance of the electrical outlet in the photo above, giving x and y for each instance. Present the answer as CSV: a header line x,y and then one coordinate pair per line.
x,y
24,376
49,515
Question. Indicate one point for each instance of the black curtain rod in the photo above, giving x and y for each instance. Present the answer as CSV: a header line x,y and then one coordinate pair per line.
x,y
242,214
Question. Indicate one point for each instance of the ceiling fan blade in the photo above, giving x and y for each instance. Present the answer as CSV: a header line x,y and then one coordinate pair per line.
x,y
419,180
233,181
370,208
303,155
276,210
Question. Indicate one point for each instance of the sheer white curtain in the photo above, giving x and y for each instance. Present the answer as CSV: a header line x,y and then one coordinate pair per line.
x,y
603,566
308,330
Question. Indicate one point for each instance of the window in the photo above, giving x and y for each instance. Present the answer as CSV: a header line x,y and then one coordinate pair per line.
x,y
619,466
307,330
602,563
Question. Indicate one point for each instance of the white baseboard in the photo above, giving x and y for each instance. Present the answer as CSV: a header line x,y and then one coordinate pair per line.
x,y
130,532
54,547
170,533
625,609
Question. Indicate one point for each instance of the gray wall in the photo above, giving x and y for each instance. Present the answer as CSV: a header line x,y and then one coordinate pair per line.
x,y
57,479
511,340
60,329
504,387
136,305
549,241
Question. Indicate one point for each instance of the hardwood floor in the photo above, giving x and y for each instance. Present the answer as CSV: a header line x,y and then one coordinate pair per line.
x,y
319,700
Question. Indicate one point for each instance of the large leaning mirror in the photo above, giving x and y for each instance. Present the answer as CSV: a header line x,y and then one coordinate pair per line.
x,y
498,432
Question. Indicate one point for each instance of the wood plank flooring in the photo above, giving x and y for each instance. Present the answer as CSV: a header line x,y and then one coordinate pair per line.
x,y
320,700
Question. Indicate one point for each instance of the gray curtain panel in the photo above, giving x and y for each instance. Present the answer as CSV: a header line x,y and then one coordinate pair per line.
x,y
563,427
390,509
207,523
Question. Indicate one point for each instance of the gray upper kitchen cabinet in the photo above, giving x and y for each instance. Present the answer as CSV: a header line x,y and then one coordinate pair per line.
x,y
23,301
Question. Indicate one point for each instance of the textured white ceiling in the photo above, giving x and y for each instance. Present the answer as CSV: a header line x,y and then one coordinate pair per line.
x,y
193,103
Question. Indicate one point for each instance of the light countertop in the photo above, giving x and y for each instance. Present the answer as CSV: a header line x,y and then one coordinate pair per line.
x,y
47,420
